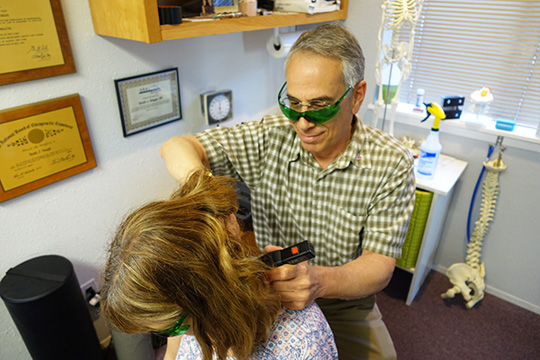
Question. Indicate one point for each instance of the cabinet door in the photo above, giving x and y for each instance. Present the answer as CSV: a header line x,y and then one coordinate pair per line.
x,y
127,19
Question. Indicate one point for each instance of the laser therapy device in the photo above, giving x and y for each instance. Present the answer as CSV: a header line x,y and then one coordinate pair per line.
x,y
292,255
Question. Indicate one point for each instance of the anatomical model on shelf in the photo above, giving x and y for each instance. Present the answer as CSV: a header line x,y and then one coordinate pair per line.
x,y
468,277
397,16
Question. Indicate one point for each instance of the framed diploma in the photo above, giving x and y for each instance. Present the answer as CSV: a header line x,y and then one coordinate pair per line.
x,y
148,100
42,143
34,42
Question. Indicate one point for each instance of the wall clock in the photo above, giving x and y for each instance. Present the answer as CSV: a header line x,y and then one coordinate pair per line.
x,y
217,106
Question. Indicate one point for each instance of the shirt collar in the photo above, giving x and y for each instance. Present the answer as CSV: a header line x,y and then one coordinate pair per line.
x,y
297,149
354,154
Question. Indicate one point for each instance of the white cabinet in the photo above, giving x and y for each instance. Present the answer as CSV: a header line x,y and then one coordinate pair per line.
x,y
448,172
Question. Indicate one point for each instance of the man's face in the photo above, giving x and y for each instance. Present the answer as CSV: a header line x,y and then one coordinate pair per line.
x,y
310,78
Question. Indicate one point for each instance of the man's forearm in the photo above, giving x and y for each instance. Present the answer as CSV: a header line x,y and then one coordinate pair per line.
x,y
366,275
182,156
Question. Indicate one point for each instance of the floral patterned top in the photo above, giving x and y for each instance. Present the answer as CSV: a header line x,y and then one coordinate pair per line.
x,y
303,334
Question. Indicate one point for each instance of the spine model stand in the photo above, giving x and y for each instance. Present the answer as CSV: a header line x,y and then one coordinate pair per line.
x,y
395,15
468,277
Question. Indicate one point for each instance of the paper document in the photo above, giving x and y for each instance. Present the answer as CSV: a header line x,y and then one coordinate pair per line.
x,y
306,6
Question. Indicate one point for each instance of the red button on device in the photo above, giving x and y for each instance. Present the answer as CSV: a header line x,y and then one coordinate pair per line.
x,y
294,250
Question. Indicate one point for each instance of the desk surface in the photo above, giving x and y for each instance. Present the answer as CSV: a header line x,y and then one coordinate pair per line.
x,y
448,171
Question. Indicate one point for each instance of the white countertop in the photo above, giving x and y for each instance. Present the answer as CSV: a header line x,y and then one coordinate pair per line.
x,y
448,171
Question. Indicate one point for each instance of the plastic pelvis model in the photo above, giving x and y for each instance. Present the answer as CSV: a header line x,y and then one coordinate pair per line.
x,y
468,277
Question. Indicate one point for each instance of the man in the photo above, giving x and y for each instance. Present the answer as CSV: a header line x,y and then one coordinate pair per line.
x,y
320,175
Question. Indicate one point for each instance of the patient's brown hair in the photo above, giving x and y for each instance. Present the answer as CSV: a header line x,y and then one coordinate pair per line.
x,y
176,255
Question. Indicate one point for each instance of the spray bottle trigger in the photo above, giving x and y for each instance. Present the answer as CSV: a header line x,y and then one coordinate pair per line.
x,y
428,113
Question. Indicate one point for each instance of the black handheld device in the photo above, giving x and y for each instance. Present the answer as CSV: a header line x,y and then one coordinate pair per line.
x,y
292,255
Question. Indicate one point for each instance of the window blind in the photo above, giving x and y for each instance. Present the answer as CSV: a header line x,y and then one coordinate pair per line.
x,y
461,46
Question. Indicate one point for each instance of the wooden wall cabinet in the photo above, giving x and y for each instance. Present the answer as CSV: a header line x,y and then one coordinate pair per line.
x,y
139,20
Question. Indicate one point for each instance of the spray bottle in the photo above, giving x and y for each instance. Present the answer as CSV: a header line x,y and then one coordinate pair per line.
x,y
431,147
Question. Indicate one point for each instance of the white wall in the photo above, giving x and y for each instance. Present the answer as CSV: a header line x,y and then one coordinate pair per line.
x,y
76,217
512,245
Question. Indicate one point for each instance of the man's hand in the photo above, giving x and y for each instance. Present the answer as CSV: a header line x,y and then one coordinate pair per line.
x,y
299,285
296,284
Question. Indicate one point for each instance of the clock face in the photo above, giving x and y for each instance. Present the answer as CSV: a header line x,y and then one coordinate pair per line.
x,y
219,107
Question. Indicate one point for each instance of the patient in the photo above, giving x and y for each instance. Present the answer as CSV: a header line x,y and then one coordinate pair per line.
x,y
180,267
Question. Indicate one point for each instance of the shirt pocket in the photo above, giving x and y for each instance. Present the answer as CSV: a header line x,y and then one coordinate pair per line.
x,y
342,235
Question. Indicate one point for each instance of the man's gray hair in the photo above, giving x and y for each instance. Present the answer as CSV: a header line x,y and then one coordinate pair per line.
x,y
334,41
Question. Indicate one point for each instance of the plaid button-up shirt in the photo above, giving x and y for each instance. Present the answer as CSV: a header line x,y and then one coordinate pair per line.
x,y
363,200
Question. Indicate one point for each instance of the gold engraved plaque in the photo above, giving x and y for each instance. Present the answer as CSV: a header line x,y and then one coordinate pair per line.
x,y
28,34
47,143
33,41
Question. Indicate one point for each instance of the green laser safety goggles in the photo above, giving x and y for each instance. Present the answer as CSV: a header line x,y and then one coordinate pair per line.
x,y
321,110
175,330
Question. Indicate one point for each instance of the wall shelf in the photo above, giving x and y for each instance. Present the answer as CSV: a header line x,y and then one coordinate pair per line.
x,y
138,20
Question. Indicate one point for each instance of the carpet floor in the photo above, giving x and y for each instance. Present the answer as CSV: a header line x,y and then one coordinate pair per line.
x,y
433,328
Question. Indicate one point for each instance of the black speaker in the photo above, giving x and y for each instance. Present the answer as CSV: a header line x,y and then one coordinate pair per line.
x,y
451,104
44,299
190,8
265,4
170,15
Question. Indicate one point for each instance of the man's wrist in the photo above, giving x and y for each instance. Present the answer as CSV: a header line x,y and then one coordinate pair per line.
x,y
320,281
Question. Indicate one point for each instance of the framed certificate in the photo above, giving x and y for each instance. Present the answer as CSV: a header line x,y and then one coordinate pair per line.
x,y
33,33
148,100
42,143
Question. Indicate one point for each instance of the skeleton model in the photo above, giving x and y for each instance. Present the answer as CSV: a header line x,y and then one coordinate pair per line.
x,y
468,277
395,14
